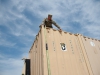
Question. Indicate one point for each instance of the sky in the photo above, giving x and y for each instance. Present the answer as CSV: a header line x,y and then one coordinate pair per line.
x,y
20,20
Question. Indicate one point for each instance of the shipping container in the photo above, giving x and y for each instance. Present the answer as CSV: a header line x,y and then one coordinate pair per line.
x,y
92,50
26,69
62,53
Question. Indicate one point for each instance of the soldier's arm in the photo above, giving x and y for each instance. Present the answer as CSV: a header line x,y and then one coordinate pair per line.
x,y
56,24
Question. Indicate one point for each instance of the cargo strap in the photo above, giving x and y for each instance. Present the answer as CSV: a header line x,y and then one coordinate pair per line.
x,y
47,54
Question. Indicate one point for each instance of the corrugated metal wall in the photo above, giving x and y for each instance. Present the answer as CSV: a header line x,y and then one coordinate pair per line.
x,y
92,48
36,56
68,54
24,69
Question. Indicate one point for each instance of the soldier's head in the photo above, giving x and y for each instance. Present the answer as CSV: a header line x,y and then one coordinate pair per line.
x,y
49,17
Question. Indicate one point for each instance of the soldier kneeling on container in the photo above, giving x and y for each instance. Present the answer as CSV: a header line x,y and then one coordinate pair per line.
x,y
48,22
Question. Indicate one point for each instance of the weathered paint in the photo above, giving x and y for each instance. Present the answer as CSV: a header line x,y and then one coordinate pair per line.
x,y
81,57
93,53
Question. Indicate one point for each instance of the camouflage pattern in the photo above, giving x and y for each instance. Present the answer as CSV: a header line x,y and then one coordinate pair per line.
x,y
48,23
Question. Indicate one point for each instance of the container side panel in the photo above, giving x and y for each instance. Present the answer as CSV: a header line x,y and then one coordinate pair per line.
x,y
32,60
65,61
39,52
85,56
63,40
92,50
24,68
40,55
59,54
75,55
44,60
67,55
97,50
72,55
80,56
36,58
38,41
52,52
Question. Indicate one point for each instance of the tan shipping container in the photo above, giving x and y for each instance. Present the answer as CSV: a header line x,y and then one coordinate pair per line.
x,y
24,69
92,50
62,53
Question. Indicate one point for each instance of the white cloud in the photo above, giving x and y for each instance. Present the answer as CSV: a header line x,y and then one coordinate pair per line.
x,y
93,30
11,65
21,30
4,42
1,56
65,13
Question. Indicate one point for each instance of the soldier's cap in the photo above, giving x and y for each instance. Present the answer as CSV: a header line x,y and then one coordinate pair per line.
x,y
50,15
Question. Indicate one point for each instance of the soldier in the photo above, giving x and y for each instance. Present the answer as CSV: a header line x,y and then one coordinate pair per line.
x,y
48,22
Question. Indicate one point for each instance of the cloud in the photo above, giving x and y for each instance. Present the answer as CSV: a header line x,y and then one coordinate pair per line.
x,y
20,20
7,43
11,65
93,30
83,12
4,42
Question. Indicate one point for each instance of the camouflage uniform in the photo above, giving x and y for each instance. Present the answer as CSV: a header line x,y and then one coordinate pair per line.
x,y
48,23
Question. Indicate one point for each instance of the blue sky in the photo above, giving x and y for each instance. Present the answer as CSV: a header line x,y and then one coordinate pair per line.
x,y
20,20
